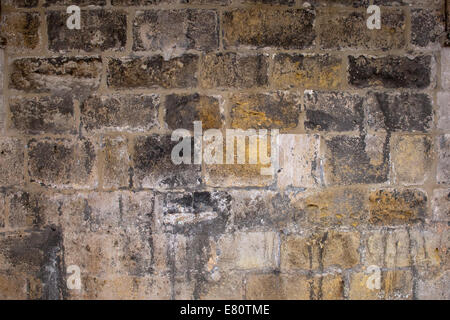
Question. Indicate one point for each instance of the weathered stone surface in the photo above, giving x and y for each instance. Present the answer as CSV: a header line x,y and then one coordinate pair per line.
x,y
333,111
427,27
153,166
231,70
352,160
2,211
21,3
116,170
294,287
30,210
277,287
445,68
411,158
434,288
73,74
183,110
388,249
415,3
348,30
441,205
63,163
400,111
272,2
354,3
208,2
397,284
306,71
261,27
256,209
100,30
397,207
11,161
154,71
443,102
36,258
52,114
194,213
273,110
250,250
132,113
141,2
75,2
224,286
334,206
299,161
390,72
21,31
443,168
183,30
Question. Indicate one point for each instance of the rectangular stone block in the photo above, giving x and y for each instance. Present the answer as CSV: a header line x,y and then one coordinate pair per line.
x,y
128,113
441,205
63,163
350,160
272,110
21,31
443,167
333,206
397,207
270,2
49,3
341,29
2,211
141,2
443,102
182,110
20,3
299,161
277,287
411,158
116,168
74,74
253,250
267,27
396,284
445,68
410,112
100,30
306,71
42,115
233,70
224,286
388,249
153,166
333,111
183,30
11,161
427,27
152,72
390,72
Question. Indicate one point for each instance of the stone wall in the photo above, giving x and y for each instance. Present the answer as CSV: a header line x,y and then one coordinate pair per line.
x,y
86,177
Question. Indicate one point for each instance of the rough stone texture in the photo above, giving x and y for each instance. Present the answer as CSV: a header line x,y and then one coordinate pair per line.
x,y
62,163
411,159
183,30
443,170
75,74
260,28
183,110
11,161
400,112
100,30
21,31
87,179
352,160
344,30
299,163
427,27
390,72
396,207
231,70
150,72
53,114
134,113
277,110
306,71
333,111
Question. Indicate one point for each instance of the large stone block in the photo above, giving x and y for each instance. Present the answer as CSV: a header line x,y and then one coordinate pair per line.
x,y
443,167
21,31
116,169
261,27
427,27
11,161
